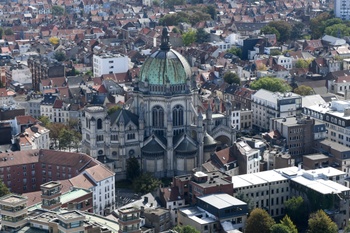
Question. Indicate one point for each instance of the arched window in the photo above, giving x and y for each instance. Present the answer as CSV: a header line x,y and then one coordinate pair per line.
x,y
178,115
157,116
99,124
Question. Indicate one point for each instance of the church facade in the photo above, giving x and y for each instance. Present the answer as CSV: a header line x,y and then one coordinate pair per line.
x,y
164,124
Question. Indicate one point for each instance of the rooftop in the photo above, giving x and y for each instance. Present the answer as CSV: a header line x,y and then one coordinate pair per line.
x,y
221,200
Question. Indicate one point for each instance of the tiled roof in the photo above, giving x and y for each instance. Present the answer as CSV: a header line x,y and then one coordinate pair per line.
x,y
99,173
23,120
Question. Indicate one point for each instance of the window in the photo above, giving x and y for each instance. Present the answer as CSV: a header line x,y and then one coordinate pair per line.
x,y
178,115
131,136
99,124
157,116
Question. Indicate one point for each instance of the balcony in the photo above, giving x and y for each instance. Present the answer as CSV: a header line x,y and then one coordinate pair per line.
x,y
16,224
14,212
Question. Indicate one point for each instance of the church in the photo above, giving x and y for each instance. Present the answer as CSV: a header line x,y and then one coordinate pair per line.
x,y
163,124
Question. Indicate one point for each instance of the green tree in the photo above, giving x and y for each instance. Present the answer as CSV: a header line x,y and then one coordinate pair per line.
x,y
211,11
230,78
286,221
279,228
275,52
1,32
283,27
45,120
60,55
113,109
132,168
65,139
259,221
338,30
270,30
8,32
57,10
317,25
185,229
77,137
297,30
244,198
156,3
297,210
303,90
145,183
189,37
3,189
55,129
320,222
235,51
270,84
202,36
302,63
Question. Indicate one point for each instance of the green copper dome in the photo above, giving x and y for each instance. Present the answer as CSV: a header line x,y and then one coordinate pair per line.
x,y
165,64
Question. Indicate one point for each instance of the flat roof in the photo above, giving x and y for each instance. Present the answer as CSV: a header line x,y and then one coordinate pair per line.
x,y
316,156
197,215
320,185
257,178
221,200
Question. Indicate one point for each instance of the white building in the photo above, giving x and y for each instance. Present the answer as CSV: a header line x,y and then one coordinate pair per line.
x,y
248,158
102,184
341,9
286,62
110,64
236,119
20,74
34,137
267,105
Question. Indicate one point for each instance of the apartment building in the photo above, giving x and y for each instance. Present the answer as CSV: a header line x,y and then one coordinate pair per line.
x,y
248,159
107,63
299,134
342,9
215,213
267,190
13,212
34,137
267,105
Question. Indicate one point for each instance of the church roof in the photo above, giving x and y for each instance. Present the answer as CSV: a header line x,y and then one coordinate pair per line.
x,y
153,147
165,65
186,146
208,140
125,115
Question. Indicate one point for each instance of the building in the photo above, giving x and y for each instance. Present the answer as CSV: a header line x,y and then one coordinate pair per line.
x,y
199,183
267,190
162,124
248,159
129,220
298,134
13,212
44,68
267,105
215,213
34,137
157,219
341,9
172,199
107,63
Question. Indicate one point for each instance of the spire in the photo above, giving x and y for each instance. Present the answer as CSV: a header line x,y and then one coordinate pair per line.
x,y
165,45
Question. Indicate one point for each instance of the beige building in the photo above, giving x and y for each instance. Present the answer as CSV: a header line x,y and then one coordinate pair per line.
x,y
13,212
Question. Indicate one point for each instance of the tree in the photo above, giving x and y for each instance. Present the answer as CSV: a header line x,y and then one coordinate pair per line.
x,y
244,198
186,229
230,78
279,228
283,27
297,30
65,138
8,32
320,222
286,221
45,120
297,210
3,189
55,129
60,55
57,10
54,40
211,11
302,63
145,183
156,3
1,32
270,84
259,221
303,90
235,51
338,30
317,25
132,168
202,36
189,37
270,30
113,109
